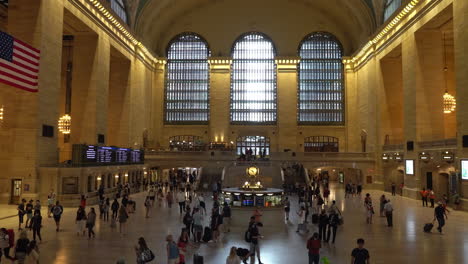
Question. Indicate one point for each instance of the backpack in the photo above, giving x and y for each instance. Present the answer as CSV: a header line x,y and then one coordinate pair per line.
x,y
248,236
57,210
147,255
187,219
11,237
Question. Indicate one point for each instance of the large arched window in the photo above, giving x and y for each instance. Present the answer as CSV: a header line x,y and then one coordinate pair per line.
x,y
390,7
253,80
321,86
119,8
187,81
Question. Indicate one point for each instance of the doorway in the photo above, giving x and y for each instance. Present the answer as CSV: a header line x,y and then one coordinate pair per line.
x,y
429,180
16,186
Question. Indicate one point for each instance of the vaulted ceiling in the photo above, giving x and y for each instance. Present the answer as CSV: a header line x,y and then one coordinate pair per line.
x,y
220,22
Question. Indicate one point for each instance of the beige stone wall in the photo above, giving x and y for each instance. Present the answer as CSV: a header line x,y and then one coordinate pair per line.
x,y
23,150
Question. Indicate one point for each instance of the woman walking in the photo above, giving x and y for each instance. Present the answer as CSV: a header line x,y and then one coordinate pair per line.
x,y
383,200
115,208
105,209
233,258
369,213
80,221
148,205
123,216
36,225
32,254
21,249
182,245
172,251
90,222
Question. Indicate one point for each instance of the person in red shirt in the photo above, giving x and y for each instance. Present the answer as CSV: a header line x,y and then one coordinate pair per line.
x,y
313,245
424,194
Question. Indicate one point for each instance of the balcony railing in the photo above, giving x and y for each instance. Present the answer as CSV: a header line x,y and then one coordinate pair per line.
x,y
438,144
394,147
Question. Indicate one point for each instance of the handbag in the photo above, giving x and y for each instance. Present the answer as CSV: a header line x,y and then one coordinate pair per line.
x,y
147,255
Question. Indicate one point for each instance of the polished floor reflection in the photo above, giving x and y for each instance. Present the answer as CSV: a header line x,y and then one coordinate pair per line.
x,y
404,243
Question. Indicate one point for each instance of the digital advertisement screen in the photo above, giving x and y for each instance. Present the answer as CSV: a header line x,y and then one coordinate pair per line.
x,y
464,169
409,167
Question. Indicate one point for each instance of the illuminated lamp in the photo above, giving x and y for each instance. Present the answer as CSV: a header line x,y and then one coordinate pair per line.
x,y
64,124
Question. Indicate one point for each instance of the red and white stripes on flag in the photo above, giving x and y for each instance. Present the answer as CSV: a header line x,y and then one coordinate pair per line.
x,y
19,63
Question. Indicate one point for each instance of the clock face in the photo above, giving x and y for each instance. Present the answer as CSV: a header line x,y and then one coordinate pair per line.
x,y
252,171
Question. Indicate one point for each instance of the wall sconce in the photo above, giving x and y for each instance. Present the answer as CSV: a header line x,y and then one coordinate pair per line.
x,y
398,157
424,156
116,176
386,157
98,178
126,174
447,156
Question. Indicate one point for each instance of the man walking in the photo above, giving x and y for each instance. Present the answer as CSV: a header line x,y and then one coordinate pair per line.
x,y
388,209
360,255
440,215
423,193
393,189
254,239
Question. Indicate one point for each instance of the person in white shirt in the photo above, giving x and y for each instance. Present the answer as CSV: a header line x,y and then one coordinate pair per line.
x,y
151,195
302,218
388,209
181,200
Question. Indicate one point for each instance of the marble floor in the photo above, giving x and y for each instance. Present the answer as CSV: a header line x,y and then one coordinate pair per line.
x,y
404,243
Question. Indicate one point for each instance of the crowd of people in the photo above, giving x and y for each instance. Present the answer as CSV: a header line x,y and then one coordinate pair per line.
x,y
315,211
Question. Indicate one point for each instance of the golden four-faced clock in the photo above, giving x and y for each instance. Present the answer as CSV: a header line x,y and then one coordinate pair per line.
x,y
253,171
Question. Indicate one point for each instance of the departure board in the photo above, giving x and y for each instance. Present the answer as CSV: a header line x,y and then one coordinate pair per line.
x,y
105,155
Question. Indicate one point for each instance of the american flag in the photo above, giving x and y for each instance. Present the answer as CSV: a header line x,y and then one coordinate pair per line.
x,y
19,63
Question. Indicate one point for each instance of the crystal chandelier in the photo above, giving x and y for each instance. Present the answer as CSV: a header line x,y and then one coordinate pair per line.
x,y
1,113
449,101
64,124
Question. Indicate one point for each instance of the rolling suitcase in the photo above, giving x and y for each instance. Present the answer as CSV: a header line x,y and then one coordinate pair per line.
x,y
207,235
428,227
197,259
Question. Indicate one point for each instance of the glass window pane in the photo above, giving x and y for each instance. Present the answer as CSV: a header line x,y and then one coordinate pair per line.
x,y
187,81
321,82
253,80
390,7
118,7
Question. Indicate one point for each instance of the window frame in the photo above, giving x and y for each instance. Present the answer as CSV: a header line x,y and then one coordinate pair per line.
x,y
123,8
325,141
275,83
342,83
166,72
387,5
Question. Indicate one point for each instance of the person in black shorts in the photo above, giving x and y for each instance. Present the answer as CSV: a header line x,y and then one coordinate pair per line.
x,y
57,212
360,255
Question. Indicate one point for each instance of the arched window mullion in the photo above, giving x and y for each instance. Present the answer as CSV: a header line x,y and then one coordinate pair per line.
x,y
253,80
187,81
321,82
